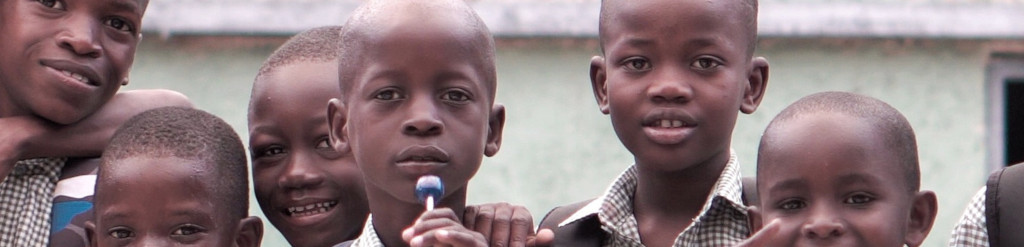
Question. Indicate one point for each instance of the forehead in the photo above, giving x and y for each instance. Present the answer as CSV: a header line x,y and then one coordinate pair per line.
x,y
161,171
304,81
677,17
823,144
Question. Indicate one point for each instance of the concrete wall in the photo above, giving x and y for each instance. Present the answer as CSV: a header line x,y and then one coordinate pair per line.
x,y
558,148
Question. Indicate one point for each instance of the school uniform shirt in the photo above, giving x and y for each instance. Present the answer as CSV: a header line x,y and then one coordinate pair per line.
x,y
722,220
369,236
25,202
971,230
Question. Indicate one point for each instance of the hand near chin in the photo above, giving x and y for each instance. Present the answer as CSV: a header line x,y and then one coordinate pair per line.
x,y
504,224
441,227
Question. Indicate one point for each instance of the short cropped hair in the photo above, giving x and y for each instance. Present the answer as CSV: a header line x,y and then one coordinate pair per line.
x,y
889,123
189,134
607,11
318,44
369,16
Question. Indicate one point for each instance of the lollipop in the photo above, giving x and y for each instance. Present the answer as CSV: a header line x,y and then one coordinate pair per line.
x,y
429,189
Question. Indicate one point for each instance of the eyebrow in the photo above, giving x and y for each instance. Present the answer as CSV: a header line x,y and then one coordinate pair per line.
x,y
790,184
125,5
857,178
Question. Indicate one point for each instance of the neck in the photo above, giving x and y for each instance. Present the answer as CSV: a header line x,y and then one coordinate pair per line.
x,y
677,194
392,215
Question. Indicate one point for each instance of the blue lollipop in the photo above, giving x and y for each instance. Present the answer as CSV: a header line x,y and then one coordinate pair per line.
x,y
429,189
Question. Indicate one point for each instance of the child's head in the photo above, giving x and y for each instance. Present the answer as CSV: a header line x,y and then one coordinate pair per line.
x,y
418,85
837,168
675,74
173,176
312,193
62,60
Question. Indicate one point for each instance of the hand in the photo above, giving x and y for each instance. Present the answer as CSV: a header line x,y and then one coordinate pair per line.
x,y
503,224
764,236
441,227
15,136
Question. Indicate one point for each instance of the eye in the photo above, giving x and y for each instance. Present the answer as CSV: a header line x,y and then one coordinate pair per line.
x,y
705,63
187,230
637,64
269,151
792,204
120,233
387,95
53,4
858,199
120,25
324,143
455,96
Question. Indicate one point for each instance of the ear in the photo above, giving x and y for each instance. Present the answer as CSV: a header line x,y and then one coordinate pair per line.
x,y
754,217
922,216
337,123
598,79
250,232
90,233
757,82
495,125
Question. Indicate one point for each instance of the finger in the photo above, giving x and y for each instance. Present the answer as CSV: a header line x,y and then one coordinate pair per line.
x,y
460,238
764,236
522,227
501,226
469,217
544,238
484,220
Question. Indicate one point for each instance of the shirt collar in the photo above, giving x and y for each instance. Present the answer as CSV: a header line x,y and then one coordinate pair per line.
x,y
616,202
369,236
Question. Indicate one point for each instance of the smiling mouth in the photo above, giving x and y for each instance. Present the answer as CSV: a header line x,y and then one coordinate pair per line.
x,y
310,209
79,77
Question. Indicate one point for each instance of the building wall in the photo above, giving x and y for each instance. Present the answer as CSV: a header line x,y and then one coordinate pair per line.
x,y
558,148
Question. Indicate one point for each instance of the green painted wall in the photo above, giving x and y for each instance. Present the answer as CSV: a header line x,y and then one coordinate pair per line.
x,y
558,148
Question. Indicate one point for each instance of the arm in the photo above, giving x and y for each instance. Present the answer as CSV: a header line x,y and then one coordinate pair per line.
x,y
90,136
503,224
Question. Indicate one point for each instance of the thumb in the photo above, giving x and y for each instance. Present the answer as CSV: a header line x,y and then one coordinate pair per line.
x,y
544,238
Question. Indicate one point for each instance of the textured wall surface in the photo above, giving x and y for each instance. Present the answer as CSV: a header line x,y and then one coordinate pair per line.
x,y
558,148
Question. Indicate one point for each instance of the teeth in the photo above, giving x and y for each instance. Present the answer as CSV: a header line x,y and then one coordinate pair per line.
x,y
670,123
76,76
311,209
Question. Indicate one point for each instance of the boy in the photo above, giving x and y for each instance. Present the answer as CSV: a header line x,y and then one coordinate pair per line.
x,y
673,76
312,193
417,98
173,176
838,168
60,62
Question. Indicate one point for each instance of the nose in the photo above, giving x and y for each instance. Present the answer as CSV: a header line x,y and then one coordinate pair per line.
x,y
300,172
670,86
823,224
81,37
148,240
423,118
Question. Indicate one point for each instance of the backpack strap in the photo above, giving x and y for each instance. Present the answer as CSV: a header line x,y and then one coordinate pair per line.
x,y
583,232
1004,199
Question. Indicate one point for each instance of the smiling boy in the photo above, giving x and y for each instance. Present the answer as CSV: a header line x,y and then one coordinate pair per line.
x,y
673,77
60,62
841,169
417,98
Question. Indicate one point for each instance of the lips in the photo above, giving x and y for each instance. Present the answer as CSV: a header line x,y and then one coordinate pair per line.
x,y
668,126
74,71
422,159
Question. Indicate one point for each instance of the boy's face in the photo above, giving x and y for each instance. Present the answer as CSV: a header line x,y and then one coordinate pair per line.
x,y
674,76
313,194
137,205
420,105
61,60
831,180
